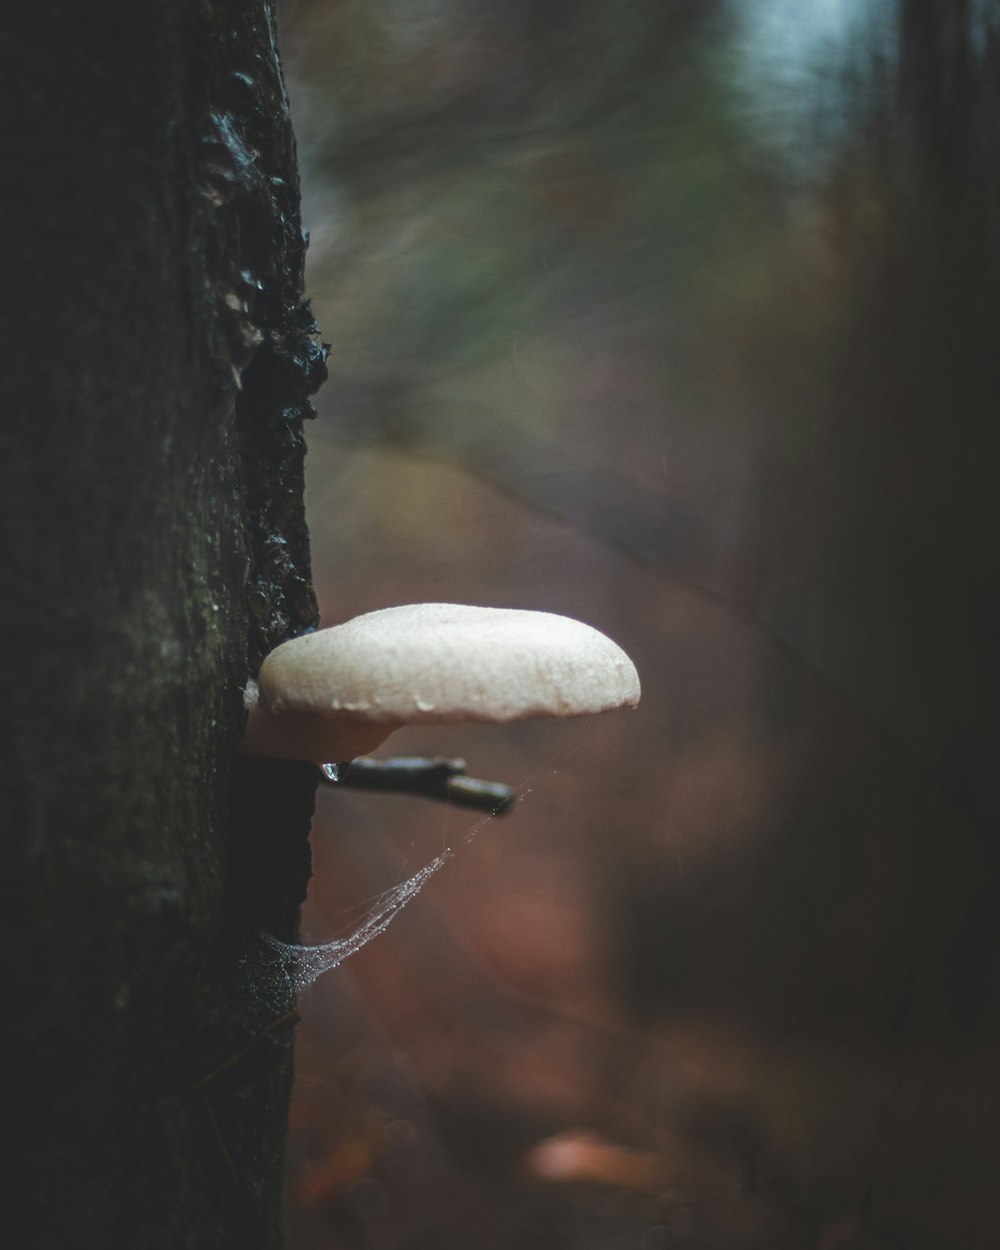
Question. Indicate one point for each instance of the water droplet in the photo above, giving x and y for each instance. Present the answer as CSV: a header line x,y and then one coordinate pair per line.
x,y
335,772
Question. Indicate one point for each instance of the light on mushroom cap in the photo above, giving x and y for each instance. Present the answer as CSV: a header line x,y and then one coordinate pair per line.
x,y
323,694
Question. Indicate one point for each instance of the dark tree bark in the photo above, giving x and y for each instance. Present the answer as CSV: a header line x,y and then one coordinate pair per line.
x,y
158,358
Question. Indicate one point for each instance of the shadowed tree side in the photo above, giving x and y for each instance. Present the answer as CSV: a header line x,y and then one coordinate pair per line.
x,y
159,356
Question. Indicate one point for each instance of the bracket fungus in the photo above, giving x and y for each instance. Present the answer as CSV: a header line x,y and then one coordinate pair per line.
x,y
340,692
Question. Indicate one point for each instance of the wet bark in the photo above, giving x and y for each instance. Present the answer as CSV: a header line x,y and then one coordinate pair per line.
x,y
159,359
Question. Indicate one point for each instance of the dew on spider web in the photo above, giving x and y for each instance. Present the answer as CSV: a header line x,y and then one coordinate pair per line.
x,y
304,964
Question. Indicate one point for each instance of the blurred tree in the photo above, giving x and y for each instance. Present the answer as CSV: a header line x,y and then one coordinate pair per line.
x,y
740,318
159,359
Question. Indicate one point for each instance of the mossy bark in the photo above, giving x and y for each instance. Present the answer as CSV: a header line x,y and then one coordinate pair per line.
x,y
158,361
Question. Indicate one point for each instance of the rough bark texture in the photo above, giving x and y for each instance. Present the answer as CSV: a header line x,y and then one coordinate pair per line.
x,y
158,356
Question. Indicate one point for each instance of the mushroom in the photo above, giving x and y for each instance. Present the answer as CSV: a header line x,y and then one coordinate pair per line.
x,y
340,692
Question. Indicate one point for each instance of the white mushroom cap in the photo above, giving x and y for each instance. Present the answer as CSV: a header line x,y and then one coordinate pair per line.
x,y
323,694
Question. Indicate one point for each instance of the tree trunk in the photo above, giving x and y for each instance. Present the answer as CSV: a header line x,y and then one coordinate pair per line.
x,y
159,358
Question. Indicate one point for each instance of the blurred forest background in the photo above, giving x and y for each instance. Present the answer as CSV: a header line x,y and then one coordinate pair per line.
x,y
681,319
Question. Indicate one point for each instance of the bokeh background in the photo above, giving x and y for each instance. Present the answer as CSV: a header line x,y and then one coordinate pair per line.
x,y
679,318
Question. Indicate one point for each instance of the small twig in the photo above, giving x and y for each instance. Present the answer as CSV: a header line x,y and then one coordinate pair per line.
x,y
220,1141
431,778
290,1017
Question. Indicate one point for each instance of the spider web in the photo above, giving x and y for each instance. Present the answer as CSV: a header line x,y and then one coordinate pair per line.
x,y
304,964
